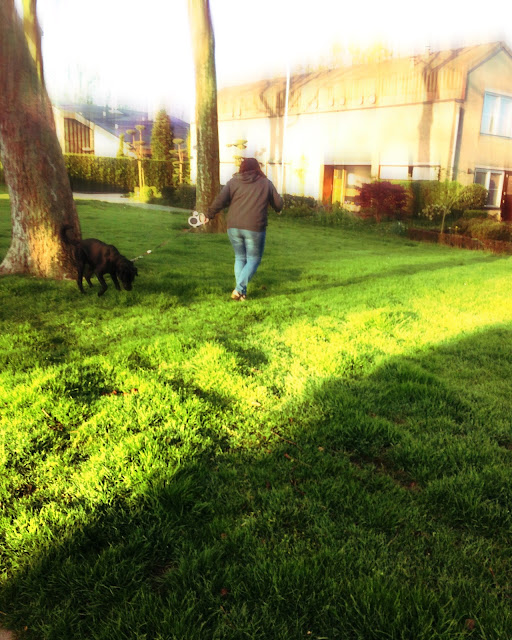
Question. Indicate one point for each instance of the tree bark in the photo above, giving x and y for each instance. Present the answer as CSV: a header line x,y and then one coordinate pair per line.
x,y
203,44
34,169
33,34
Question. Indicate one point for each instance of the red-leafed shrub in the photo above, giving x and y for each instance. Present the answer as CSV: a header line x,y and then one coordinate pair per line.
x,y
382,199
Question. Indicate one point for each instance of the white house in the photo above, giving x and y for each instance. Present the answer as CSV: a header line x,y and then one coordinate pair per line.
x,y
445,114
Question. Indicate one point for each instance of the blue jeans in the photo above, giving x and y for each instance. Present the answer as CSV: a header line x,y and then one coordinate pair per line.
x,y
248,247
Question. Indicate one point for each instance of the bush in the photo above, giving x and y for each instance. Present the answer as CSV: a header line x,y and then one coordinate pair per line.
x,y
453,195
299,201
441,193
146,194
299,211
471,197
382,199
183,196
475,213
486,229
337,216
436,212
423,193
158,173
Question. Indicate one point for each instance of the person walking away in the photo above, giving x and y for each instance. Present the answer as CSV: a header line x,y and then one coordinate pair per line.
x,y
248,195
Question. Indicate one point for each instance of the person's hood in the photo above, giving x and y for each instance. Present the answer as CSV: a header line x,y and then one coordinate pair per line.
x,y
247,176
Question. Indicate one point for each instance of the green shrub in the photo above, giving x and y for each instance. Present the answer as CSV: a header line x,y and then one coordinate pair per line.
x,y
299,211
338,216
475,213
436,212
443,199
423,193
183,196
444,193
472,196
487,229
461,226
299,201
158,173
146,194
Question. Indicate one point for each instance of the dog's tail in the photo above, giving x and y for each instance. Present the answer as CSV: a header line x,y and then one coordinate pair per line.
x,y
66,239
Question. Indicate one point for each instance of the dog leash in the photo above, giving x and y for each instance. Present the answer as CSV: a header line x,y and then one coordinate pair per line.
x,y
194,221
150,250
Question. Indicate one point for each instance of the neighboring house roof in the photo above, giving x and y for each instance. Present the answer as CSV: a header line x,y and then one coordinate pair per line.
x,y
431,76
118,121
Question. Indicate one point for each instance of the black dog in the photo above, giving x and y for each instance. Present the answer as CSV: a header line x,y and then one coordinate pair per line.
x,y
94,256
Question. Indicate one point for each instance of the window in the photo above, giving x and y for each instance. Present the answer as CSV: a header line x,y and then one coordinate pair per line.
x,y
497,115
493,182
425,173
419,172
390,172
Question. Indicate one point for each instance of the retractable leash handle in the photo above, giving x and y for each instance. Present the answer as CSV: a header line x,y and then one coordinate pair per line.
x,y
195,220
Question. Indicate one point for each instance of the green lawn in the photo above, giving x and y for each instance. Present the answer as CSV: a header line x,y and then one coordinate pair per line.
x,y
330,460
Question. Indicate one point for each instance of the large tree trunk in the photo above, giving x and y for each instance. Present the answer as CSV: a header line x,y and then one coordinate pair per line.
x,y
33,34
34,169
203,44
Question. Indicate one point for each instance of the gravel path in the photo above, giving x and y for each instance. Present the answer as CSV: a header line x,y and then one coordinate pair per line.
x,y
118,198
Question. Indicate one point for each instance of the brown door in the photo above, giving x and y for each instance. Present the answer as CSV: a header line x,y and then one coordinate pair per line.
x,y
328,184
506,198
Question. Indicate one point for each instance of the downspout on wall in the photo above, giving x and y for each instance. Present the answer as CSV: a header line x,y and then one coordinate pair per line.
x,y
457,139
285,125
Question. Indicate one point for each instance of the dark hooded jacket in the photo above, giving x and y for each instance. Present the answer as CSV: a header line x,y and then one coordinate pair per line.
x,y
248,195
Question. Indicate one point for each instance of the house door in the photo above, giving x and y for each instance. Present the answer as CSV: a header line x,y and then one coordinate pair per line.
x,y
506,198
338,186
341,182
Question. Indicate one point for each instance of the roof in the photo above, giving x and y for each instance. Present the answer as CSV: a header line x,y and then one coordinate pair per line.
x,y
118,121
432,76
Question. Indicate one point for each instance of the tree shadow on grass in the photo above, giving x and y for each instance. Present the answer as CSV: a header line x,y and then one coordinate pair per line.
x,y
338,280
370,507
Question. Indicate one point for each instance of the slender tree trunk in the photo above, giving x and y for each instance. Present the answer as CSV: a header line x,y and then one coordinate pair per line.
x,y
34,169
203,43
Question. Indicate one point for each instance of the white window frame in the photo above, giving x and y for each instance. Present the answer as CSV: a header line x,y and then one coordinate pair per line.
x,y
499,189
427,173
493,122
409,172
394,172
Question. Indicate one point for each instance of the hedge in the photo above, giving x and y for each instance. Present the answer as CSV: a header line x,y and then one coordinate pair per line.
x,y
461,241
421,193
91,173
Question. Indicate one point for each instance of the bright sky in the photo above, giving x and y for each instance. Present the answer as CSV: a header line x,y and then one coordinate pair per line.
x,y
139,53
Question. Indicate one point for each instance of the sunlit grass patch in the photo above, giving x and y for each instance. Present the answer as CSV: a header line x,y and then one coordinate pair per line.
x,y
329,460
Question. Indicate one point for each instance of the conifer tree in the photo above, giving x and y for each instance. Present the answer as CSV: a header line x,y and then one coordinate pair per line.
x,y
161,137
120,150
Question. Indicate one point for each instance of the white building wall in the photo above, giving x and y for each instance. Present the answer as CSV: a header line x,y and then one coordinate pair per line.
x,y
106,145
399,135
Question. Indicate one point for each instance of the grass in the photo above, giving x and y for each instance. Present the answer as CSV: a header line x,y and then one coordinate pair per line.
x,y
331,459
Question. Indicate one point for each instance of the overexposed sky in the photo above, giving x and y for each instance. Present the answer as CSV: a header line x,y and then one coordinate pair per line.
x,y
134,53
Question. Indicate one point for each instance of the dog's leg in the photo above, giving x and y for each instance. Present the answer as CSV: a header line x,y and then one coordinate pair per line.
x,y
80,274
102,283
87,275
115,281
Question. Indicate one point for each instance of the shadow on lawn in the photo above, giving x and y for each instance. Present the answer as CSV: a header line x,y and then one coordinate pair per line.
x,y
338,280
339,520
